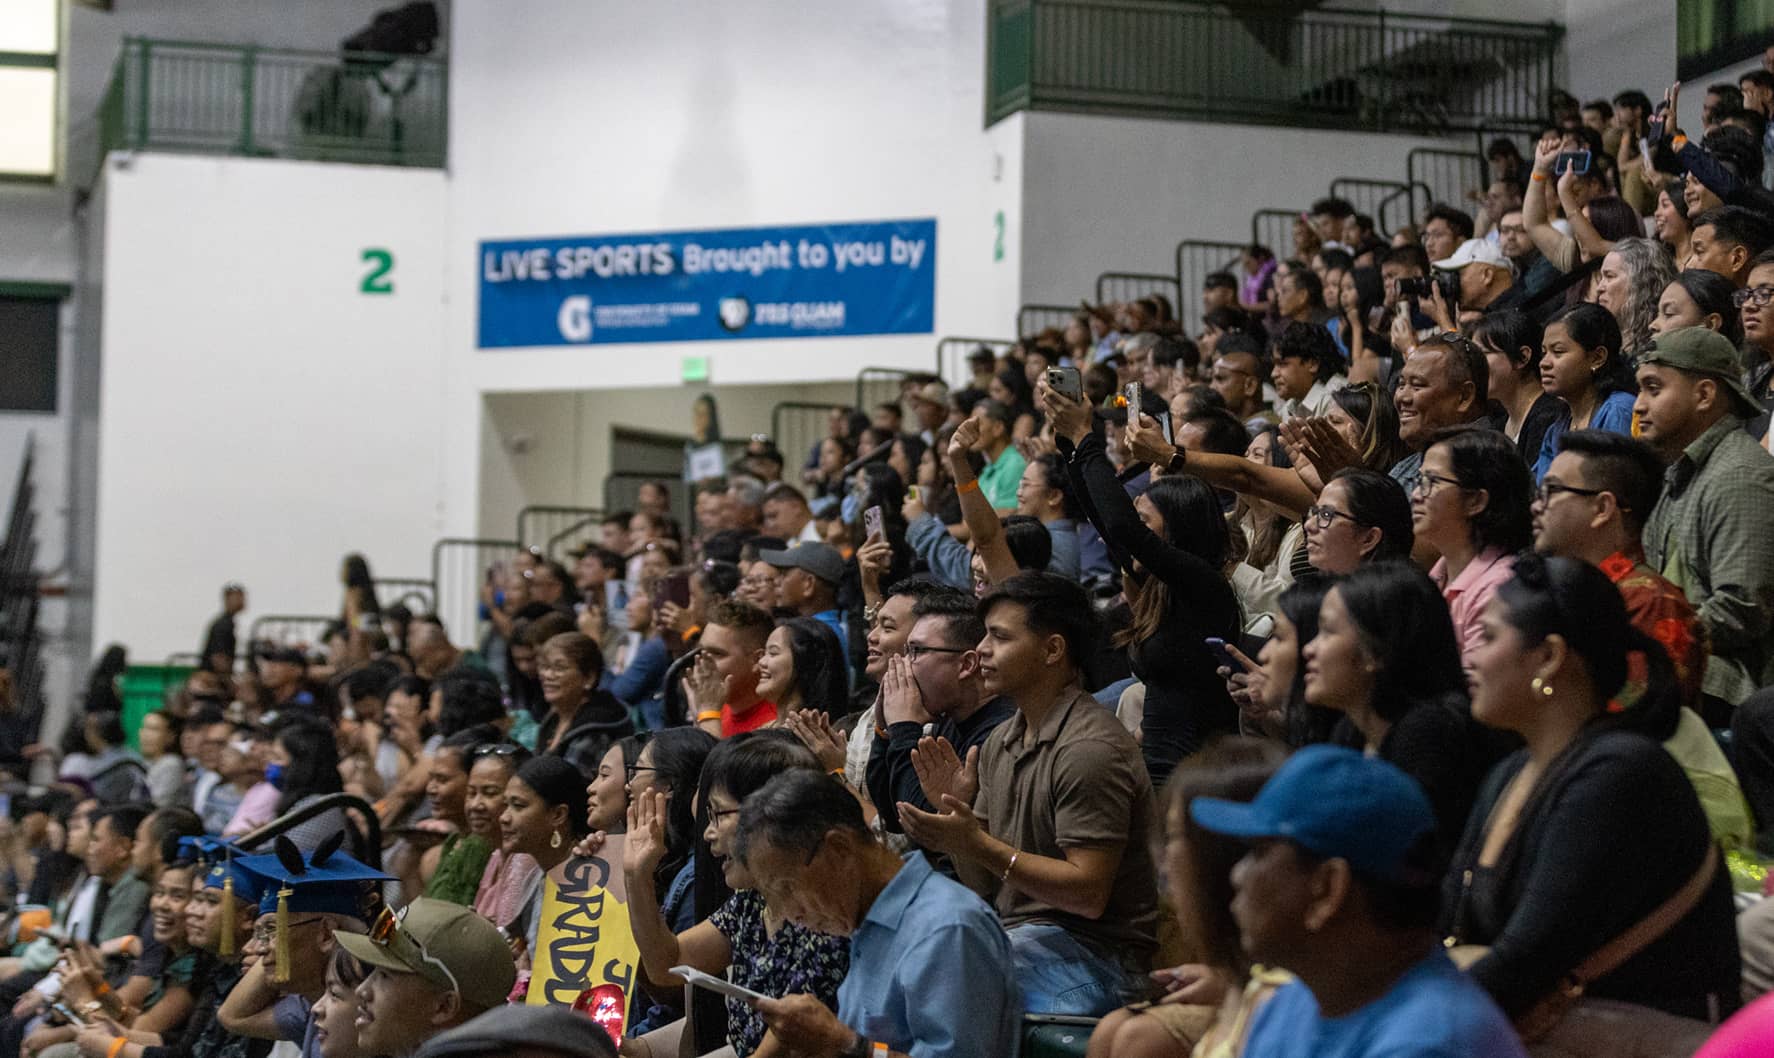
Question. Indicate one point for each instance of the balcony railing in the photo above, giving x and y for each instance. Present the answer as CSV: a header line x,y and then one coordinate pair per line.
x,y
268,103
1321,69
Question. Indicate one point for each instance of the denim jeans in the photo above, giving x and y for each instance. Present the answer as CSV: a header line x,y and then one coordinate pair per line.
x,y
1060,975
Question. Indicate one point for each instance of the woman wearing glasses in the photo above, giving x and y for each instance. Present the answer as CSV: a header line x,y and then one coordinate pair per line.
x,y
1472,505
578,710
1361,516
1758,325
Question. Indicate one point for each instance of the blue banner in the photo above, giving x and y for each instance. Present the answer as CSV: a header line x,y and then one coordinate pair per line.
x,y
813,281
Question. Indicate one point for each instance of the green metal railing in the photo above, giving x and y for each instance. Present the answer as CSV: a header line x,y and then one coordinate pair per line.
x,y
264,102
1321,68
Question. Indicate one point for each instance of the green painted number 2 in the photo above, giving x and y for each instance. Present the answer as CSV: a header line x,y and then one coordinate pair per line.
x,y
377,280
998,246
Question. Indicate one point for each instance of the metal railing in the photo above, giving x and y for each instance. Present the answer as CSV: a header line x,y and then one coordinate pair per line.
x,y
879,385
1390,203
952,354
415,593
1322,68
290,630
555,529
796,426
459,568
364,839
622,491
20,643
265,102
1274,228
1033,319
1447,176
1196,260
1132,286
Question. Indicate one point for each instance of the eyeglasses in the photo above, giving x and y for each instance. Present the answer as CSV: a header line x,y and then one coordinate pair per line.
x,y
715,815
1549,489
499,749
554,666
387,932
1757,296
914,651
633,769
266,928
1324,516
1426,483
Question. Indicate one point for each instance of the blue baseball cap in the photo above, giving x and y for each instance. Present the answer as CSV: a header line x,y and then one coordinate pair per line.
x,y
1337,804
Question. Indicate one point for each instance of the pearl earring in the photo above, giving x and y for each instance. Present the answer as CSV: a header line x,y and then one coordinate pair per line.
x,y
554,840
1542,687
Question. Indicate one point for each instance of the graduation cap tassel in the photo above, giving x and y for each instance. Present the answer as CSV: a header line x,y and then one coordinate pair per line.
x,y
228,915
281,971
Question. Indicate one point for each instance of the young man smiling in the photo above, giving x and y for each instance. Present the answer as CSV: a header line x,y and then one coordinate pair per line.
x,y
433,967
1054,823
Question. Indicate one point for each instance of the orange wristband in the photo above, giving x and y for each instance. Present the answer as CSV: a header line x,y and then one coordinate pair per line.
x,y
1538,178
117,1043
968,486
103,990
708,714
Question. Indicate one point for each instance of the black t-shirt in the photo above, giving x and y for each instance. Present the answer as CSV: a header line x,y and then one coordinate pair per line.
x,y
220,637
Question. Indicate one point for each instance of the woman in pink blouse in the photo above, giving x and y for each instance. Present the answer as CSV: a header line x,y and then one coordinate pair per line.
x,y
506,879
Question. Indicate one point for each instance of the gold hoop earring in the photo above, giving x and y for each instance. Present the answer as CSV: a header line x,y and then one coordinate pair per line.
x,y
1541,687
554,840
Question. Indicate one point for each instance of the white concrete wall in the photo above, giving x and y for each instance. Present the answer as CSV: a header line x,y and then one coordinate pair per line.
x,y
1613,45
260,416
1118,194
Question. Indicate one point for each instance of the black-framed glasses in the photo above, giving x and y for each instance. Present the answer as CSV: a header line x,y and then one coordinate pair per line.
x,y
715,815
1323,516
1549,489
634,769
1758,296
499,749
914,651
1426,483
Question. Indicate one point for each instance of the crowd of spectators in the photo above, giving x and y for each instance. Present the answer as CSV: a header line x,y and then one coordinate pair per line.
x,y
1386,668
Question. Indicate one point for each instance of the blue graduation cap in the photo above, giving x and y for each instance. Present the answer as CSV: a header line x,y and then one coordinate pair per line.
x,y
326,882
219,865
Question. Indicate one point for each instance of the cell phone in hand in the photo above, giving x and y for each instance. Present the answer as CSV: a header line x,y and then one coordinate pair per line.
x,y
68,1015
871,522
674,589
1659,118
1066,381
1571,161
1131,393
1225,657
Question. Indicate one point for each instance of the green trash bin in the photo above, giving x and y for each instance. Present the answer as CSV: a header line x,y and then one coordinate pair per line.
x,y
144,690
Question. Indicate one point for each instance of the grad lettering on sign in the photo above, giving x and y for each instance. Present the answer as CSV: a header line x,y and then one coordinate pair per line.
x,y
812,281
584,939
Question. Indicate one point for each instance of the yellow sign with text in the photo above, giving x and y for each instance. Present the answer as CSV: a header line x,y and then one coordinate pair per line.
x,y
585,939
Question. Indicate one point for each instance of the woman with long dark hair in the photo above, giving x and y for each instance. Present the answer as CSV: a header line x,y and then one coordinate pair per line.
x,y
1511,344
1385,657
1361,516
1170,547
360,593
304,767
1698,297
1473,505
1010,387
544,817
1197,872
1585,367
1271,693
1585,808
803,668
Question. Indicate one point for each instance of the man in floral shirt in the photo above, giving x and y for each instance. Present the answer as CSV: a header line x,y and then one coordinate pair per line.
x,y
1592,506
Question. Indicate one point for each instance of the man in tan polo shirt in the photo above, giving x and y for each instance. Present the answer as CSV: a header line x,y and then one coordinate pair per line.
x,y
1052,819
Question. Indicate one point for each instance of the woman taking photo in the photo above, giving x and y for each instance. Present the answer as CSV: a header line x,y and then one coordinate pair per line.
x,y
1511,344
505,880
578,710
1386,659
1585,808
803,668
1198,871
1361,516
1170,547
1473,505
744,940
1271,692
1584,367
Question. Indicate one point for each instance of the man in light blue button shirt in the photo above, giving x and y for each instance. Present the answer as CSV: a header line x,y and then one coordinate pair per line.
x,y
930,972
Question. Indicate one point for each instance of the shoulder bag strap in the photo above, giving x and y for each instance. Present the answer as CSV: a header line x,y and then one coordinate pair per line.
x,y
1615,953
